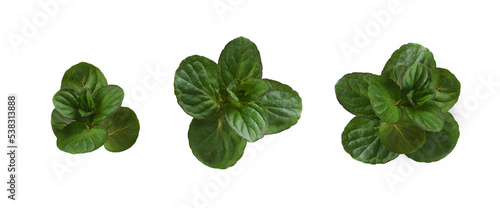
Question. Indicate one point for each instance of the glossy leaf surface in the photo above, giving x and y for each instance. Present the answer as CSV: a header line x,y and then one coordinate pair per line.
x,y
123,130
403,137
196,87
352,93
283,106
361,140
438,144
248,90
416,77
385,96
427,116
250,121
77,137
58,122
214,143
240,60
447,88
407,55
66,103
83,75
107,100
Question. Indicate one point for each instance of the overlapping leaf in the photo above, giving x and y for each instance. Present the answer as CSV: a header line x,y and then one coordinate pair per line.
x,y
239,60
83,75
418,76
361,140
107,100
438,144
196,87
250,121
447,88
403,137
123,129
66,103
427,116
78,137
407,55
385,96
352,93
214,143
283,106
248,90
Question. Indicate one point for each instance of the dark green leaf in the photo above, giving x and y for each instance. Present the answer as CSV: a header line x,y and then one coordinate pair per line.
x,y
352,93
196,87
403,137
250,121
123,130
419,97
407,55
360,139
107,101
283,106
58,122
427,116
248,90
87,105
396,73
385,96
438,144
214,143
416,77
83,75
447,88
77,137
239,60
66,103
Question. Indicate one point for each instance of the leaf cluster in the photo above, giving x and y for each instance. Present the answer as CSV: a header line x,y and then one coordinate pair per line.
x,y
88,113
402,111
231,104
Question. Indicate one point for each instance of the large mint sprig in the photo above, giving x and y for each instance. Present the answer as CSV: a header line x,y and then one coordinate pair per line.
x,y
231,104
403,111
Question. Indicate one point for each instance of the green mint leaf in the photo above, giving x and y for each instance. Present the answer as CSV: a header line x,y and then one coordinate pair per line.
x,y
83,75
78,137
108,100
407,55
447,88
248,90
419,97
438,144
403,137
86,101
385,96
360,139
250,121
66,103
123,130
58,122
427,116
240,60
418,76
214,143
352,93
196,87
396,73
283,106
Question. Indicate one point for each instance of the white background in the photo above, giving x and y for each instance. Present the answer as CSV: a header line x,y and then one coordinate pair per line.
x,y
300,44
